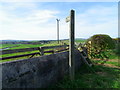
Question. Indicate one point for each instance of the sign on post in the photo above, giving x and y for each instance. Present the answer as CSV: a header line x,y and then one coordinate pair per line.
x,y
71,18
67,19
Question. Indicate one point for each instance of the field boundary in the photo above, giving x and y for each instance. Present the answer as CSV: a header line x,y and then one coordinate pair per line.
x,y
40,51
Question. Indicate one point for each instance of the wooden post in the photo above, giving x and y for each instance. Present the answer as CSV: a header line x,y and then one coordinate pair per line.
x,y
118,42
58,30
41,51
71,46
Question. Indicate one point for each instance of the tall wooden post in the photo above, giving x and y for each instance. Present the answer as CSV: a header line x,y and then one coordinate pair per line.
x,y
58,30
71,45
118,42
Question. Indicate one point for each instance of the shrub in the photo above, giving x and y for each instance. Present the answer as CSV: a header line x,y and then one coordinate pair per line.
x,y
98,44
101,41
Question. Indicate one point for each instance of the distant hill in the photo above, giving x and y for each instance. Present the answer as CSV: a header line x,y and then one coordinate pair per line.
x,y
12,40
80,39
33,41
22,41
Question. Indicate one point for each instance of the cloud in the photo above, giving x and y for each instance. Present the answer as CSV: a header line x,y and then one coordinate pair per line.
x,y
109,28
16,5
37,24
99,14
40,24
96,20
41,16
31,25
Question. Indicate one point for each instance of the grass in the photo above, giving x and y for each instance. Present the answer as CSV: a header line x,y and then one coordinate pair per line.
x,y
112,54
8,45
113,62
19,46
113,58
14,54
80,41
105,77
52,43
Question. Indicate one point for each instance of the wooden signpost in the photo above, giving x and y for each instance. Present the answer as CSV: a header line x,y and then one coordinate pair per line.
x,y
71,18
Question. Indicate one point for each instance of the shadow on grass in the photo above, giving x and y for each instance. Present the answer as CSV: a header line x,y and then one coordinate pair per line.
x,y
105,77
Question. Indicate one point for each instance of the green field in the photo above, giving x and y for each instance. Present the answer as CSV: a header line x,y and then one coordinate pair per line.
x,y
20,46
80,41
52,43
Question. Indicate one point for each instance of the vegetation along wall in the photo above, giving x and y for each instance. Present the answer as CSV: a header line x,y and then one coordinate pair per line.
x,y
37,72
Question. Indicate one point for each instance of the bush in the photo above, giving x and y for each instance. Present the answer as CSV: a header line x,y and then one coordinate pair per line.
x,y
102,41
98,44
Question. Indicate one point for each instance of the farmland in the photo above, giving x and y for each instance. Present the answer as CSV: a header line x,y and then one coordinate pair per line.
x,y
106,75
29,44
37,44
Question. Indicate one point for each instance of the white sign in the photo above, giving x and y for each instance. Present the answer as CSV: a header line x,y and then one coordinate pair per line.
x,y
67,19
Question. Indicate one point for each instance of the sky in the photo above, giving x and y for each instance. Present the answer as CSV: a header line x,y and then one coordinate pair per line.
x,y
37,20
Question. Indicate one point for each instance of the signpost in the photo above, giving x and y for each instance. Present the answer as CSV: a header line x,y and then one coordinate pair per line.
x,y
71,18
68,19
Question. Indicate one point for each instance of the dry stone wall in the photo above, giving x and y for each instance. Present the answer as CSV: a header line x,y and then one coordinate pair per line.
x,y
37,72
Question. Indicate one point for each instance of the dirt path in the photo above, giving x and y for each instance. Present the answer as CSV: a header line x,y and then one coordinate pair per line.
x,y
110,65
113,60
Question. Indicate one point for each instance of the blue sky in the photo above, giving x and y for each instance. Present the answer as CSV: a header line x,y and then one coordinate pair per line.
x,y
37,20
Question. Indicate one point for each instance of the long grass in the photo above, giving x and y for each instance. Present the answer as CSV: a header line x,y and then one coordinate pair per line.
x,y
105,77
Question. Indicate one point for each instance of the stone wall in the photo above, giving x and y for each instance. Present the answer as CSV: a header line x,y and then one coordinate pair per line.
x,y
37,72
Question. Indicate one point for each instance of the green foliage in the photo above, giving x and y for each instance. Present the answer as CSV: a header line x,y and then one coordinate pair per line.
x,y
102,41
99,44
